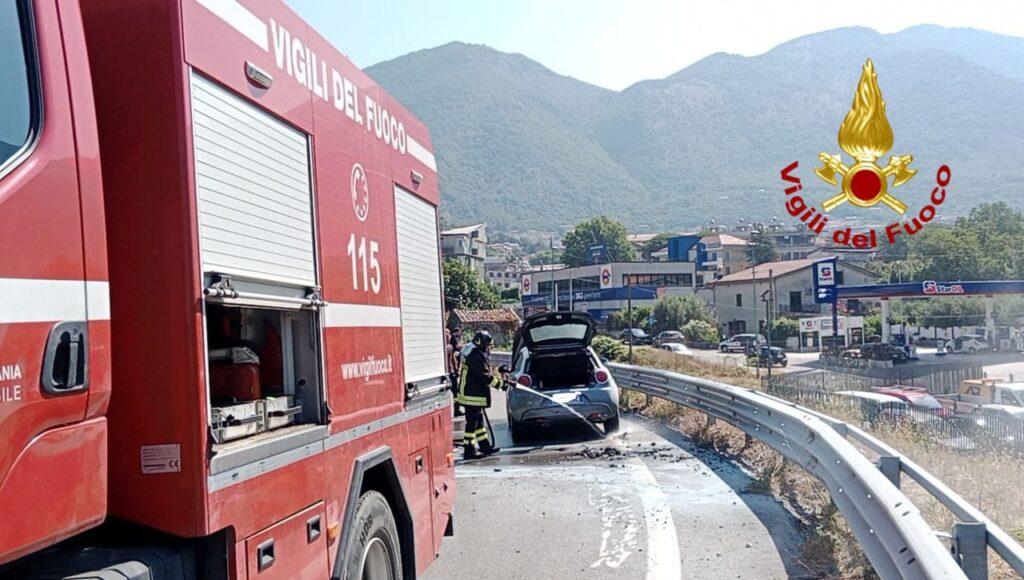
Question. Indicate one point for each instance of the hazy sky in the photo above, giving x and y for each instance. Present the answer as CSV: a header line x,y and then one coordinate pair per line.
x,y
615,43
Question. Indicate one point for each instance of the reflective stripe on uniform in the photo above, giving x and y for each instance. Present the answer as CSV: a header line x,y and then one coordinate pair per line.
x,y
471,401
482,435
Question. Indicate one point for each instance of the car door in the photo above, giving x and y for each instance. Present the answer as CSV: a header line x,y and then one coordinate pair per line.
x,y
43,337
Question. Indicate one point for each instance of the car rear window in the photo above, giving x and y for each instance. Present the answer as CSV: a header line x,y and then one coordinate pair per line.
x,y
558,332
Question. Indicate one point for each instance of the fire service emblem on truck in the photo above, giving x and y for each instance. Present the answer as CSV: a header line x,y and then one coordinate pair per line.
x,y
866,136
360,193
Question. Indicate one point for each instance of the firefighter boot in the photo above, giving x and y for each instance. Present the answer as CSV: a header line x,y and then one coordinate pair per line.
x,y
487,448
470,452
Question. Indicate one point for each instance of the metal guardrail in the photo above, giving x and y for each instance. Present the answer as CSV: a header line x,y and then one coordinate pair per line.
x,y
894,536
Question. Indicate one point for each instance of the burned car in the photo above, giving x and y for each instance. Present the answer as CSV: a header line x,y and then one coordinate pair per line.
x,y
556,378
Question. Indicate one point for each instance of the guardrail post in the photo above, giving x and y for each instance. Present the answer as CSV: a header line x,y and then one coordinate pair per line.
x,y
970,548
889,465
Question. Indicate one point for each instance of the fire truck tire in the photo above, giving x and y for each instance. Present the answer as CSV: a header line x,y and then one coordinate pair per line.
x,y
374,552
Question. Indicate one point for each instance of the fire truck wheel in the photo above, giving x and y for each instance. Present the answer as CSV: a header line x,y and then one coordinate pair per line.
x,y
373,553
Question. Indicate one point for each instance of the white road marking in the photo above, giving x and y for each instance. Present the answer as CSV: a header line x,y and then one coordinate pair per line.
x,y
662,542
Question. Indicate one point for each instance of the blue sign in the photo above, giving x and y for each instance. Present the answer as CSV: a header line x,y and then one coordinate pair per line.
x,y
598,254
593,295
825,281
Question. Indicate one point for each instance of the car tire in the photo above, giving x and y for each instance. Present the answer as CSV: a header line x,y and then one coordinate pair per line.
x,y
972,350
949,350
375,551
784,363
611,425
723,348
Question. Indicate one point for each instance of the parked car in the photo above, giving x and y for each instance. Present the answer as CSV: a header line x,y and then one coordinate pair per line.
x,y
741,342
883,351
676,348
556,377
639,336
969,343
875,406
918,399
668,336
766,356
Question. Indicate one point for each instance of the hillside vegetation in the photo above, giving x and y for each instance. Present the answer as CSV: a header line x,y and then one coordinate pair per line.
x,y
521,146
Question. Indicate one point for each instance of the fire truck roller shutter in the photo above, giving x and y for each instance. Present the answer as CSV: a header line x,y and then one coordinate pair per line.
x,y
253,187
419,278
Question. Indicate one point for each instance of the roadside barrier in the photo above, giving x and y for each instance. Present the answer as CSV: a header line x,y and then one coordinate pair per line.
x,y
893,534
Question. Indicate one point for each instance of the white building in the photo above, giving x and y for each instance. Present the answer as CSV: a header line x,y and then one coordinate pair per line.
x,y
739,298
602,289
467,245
503,273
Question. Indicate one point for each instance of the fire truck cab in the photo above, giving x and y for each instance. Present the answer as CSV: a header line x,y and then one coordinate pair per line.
x,y
221,334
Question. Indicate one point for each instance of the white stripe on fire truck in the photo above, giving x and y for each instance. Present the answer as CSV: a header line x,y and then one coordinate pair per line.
x,y
362,315
252,27
97,300
25,300
241,19
421,153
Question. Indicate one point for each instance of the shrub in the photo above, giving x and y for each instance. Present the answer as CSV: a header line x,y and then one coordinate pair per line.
x,y
700,331
608,348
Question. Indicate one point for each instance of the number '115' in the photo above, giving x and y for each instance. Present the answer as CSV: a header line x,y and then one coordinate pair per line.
x,y
364,264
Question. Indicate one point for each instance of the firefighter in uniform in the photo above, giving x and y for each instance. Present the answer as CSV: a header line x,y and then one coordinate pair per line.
x,y
475,384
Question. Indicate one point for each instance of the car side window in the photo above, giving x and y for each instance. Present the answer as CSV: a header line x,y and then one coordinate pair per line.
x,y
17,87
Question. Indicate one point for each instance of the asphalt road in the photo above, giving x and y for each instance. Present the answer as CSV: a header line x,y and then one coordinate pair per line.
x,y
641,504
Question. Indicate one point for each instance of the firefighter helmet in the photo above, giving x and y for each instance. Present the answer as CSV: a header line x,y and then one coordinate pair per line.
x,y
482,339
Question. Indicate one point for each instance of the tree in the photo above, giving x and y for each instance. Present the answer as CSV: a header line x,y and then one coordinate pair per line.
x,y
700,331
674,312
626,319
464,289
511,294
656,244
783,328
598,231
762,249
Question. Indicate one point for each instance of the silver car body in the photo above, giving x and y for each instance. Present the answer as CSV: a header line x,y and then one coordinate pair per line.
x,y
597,402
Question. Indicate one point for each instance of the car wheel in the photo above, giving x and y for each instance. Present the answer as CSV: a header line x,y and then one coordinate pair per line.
x,y
611,425
723,348
949,349
972,350
784,363
374,552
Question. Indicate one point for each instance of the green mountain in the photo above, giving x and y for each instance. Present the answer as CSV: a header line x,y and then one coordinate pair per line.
x,y
521,146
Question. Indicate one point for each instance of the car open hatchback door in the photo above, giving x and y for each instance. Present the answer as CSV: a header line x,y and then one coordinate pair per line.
x,y
556,330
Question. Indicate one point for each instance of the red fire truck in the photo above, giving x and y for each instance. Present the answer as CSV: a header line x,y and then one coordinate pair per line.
x,y
221,349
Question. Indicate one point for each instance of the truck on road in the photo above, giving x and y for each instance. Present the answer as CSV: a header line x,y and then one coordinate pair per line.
x,y
221,334
975,393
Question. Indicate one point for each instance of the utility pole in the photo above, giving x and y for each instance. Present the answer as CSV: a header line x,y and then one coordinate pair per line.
x,y
755,345
629,316
551,266
767,297
571,306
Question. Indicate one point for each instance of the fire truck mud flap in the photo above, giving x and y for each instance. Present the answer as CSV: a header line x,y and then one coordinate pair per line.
x,y
377,470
